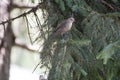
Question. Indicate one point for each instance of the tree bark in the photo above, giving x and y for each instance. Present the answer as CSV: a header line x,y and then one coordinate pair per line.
x,y
6,41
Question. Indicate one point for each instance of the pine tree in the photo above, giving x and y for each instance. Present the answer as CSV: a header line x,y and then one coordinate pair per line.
x,y
90,51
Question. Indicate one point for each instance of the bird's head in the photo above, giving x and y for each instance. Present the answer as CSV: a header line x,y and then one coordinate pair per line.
x,y
71,19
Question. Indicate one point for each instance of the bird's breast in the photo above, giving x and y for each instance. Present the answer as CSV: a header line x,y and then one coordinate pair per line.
x,y
68,27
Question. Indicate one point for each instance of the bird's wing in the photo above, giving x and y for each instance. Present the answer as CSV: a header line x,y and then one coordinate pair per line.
x,y
60,26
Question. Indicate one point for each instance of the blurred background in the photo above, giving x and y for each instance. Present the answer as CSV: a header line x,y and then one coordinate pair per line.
x,y
25,58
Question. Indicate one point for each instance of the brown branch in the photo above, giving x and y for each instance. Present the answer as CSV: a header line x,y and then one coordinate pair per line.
x,y
104,2
24,46
40,5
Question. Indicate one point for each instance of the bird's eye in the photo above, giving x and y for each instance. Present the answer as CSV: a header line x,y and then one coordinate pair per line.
x,y
71,19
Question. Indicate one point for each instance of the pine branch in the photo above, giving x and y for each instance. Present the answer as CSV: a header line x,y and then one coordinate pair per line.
x,y
109,5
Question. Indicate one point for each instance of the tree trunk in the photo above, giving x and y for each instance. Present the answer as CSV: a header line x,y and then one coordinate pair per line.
x,y
6,40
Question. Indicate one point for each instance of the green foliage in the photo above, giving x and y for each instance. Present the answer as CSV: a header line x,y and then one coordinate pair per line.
x,y
61,4
81,7
95,34
108,52
115,14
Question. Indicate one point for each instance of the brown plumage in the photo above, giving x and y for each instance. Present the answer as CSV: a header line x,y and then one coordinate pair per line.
x,y
63,27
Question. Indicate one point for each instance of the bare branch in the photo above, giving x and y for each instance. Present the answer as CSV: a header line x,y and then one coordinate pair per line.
x,y
40,5
24,46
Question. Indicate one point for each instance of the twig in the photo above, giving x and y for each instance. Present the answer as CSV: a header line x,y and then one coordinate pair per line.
x,y
107,4
28,30
36,66
24,46
24,14
39,25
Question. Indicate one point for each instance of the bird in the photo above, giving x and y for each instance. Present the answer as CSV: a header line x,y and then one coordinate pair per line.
x,y
63,27
61,30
